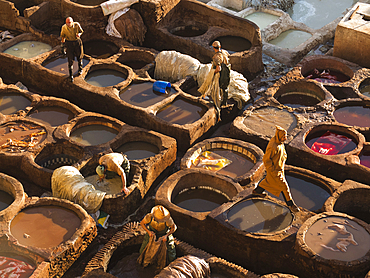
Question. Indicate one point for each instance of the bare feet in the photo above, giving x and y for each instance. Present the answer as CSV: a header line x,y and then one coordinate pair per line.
x,y
125,190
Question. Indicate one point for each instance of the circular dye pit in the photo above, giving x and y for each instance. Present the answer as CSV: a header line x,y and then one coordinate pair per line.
x,y
200,199
143,95
93,134
259,216
306,193
291,38
20,136
5,200
329,142
327,76
365,159
61,65
188,31
181,112
52,115
98,48
353,115
365,90
128,267
58,160
10,103
136,59
14,265
44,226
112,184
138,150
264,120
338,238
261,19
233,44
225,162
299,99
88,2
105,77
28,49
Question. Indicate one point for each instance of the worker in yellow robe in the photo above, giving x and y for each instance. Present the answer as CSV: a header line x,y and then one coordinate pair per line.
x,y
274,161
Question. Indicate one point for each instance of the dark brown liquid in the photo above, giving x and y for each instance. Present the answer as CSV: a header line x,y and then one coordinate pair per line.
x,y
234,44
105,77
52,115
259,216
199,199
11,103
321,143
44,226
142,95
93,134
297,99
5,200
89,2
61,65
353,116
322,237
182,112
188,31
127,267
138,150
305,193
98,48
135,64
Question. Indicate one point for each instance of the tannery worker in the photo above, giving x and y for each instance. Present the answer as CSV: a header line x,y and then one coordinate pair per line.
x,y
115,162
70,34
274,161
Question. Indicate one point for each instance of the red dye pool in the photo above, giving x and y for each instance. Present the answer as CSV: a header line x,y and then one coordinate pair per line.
x,y
331,143
10,267
327,76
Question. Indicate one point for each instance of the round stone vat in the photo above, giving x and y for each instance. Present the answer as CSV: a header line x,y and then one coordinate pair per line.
x,y
92,130
143,95
51,115
364,87
39,166
88,2
262,18
291,38
331,140
60,64
99,49
263,120
105,77
365,156
12,197
190,30
12,101
46,225
194,190
301,94
259,216
137,150
235,159
136,59
309,190
181,111
28,49
353,113
233,43
351,198
19,136
126,244
17,265
335,244
326,69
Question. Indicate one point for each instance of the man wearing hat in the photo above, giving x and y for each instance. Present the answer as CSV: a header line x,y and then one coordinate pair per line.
x,y
159,223
115,162
221,64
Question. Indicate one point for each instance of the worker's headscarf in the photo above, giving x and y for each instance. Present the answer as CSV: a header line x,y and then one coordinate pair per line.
x,y
100,170
279,134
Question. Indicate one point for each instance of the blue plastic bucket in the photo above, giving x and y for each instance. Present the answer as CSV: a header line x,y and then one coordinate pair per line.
x,y
160,86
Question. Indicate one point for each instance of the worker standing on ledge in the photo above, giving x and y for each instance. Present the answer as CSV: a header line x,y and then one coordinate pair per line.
x,y
72,44
115,162
274,161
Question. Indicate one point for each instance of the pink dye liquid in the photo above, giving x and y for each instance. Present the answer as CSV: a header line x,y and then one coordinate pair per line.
x,y
330,143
